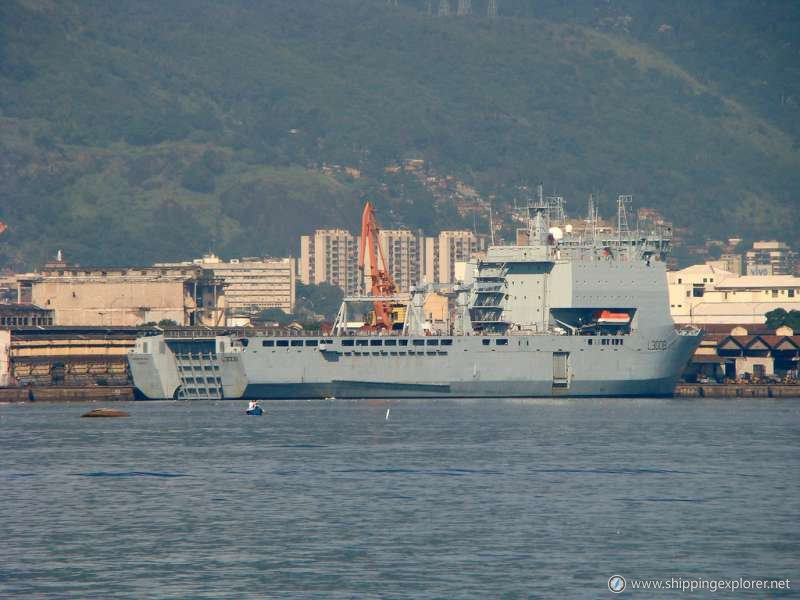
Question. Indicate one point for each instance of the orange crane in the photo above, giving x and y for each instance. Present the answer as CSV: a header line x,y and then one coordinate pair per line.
x,y
381,282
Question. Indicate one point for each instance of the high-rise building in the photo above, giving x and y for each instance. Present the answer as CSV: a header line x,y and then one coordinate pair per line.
x,y
770,258
401,249
330,256
453,247
254,284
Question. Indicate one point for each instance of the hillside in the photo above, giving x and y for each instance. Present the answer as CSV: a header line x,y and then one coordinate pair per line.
x,y
141,131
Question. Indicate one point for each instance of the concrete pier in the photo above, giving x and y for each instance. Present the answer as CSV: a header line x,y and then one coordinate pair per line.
x,y
725,390
68,394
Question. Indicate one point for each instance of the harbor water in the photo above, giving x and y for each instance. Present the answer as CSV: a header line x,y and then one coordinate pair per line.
x,y
402,499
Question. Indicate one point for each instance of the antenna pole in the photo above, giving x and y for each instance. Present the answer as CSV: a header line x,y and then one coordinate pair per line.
x,y
491,223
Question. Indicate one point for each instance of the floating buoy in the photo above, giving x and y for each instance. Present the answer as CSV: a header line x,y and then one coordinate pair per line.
x,y
106,412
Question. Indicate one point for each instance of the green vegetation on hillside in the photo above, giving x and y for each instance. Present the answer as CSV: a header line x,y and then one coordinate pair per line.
x,y
140,131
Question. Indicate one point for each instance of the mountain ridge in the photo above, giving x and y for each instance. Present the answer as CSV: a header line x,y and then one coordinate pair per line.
x,y
217,118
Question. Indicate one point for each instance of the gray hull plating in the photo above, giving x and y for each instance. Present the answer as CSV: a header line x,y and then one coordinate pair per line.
x,y
523,366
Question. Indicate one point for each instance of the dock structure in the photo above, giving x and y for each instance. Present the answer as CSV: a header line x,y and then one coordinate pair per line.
x,y
737,390
67,356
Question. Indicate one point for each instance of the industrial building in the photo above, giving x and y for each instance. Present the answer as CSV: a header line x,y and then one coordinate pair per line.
x,y
25,315
703,294
125,296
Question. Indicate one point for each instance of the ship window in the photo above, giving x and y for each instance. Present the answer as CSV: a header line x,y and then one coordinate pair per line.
x,y
376,342
501,342
327,341
311,342
589,341
390,343
361,342
244,342
348,342
268,343
486,342
403,342
774,293
791,293
282,343
433,342
604,342
418,342
447,342
297,342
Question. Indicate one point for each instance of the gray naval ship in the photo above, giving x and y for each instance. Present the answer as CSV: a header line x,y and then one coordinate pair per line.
x,y
563,315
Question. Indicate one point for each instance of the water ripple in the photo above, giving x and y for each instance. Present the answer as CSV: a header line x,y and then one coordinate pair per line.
x,y
129,474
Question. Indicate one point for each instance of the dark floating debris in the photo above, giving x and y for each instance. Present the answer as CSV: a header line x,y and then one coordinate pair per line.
x,y
106,412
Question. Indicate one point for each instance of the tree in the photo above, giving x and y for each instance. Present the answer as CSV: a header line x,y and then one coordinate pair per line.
x,y
779,317
274,315
323,299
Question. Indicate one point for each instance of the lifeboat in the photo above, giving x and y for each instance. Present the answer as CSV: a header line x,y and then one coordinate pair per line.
x,y
613,318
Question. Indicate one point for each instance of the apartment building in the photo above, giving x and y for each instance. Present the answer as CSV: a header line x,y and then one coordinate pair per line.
x,y
453,247
769,258
330,256
401,249
254,284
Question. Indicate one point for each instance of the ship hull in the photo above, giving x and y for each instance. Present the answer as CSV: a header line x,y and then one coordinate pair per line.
x,y
532,389
523,366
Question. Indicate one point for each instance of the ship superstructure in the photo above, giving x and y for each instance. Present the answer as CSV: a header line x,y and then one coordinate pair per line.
x,y
575,314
